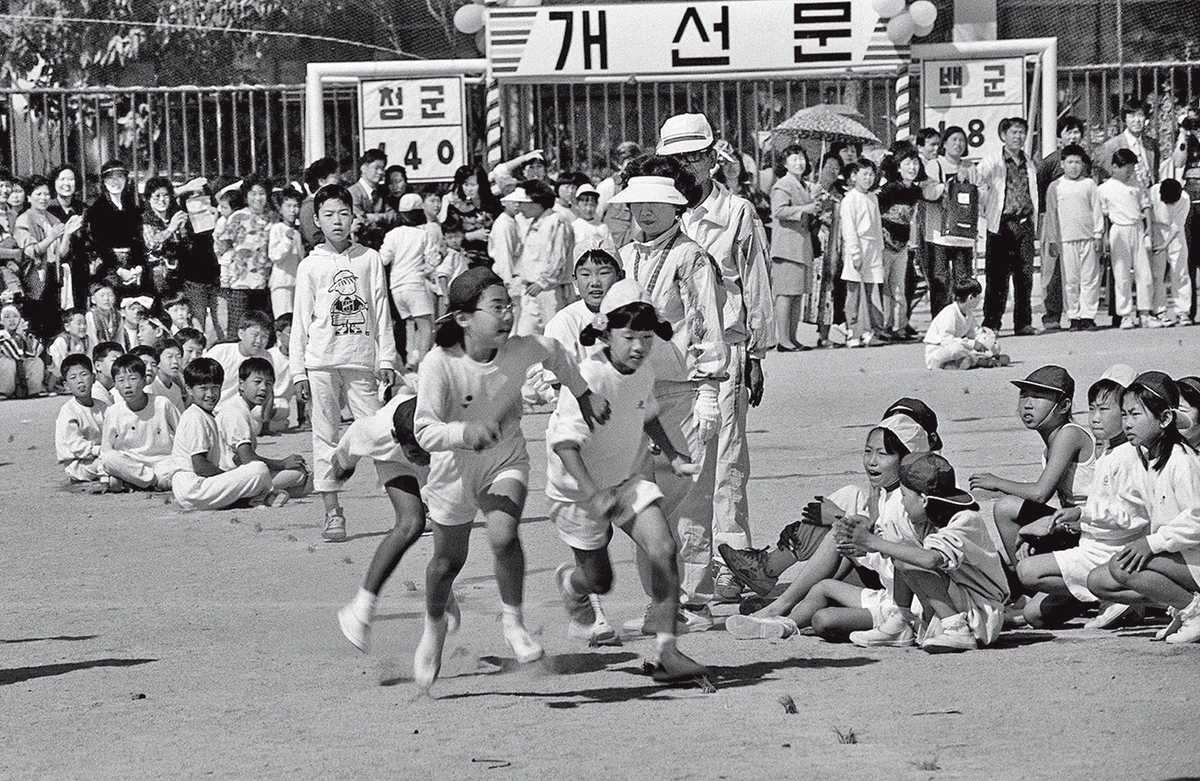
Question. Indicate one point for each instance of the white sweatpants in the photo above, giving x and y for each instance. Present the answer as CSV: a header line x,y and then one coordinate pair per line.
x,y
295,482
140,471
84,470
1081,279
731,509
247,481
1170,266
1130,262
331,388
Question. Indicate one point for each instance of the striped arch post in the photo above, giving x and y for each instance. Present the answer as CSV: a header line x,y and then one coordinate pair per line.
x,y
903,107
494,151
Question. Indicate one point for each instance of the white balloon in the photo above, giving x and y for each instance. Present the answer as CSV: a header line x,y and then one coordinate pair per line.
x,y
922,31
923,12
887,8
900,29
469,19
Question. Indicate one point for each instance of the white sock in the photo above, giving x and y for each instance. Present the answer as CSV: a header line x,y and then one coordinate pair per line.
x,y
511,615
364,605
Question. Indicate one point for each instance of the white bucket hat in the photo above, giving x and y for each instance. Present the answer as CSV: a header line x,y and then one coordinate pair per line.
x,y
684,133
586,189
518,195
650,189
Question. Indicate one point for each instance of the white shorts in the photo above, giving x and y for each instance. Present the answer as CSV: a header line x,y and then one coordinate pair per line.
x,y
1076,563
457,479
578,528
411,302
876,600
390,470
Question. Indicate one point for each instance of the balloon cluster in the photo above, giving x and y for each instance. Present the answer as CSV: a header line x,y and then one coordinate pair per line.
x,y
471,18
906,23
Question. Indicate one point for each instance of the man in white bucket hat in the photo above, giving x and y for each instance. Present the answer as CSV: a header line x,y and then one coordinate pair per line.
x,y
729,229
684,285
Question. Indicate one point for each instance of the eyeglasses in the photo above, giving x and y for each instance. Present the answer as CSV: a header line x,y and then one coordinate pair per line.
x,y
499,310
691,157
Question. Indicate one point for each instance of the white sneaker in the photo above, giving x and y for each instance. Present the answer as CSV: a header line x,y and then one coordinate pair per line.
x,y
357,631
1128,323
1172,626
427,662
855,341
896,631
1189,624
523,646
597,634
766,628
690,620
1150,321
955,636
1110,613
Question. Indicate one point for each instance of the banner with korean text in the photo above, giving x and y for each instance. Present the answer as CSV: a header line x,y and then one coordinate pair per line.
x,y
419,123
665,40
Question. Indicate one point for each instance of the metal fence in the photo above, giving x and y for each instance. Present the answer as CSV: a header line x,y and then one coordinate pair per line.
x,y
225,132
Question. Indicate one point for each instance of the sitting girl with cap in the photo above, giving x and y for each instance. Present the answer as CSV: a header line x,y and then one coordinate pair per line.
x,y
1068,462
953,567
1116,513
594,483
758,569
1162,568
468,418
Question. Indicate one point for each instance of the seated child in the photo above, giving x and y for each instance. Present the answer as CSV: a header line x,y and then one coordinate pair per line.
x,y
132,310
1162,568
402,465
1115,514
139,430
22,370
103,356
193,343
285,391
103,321
254,333
836,609
200,484
168,380
953,569
180,312
72,341
237,427
954,339
806,540
149,356
594,483
1069,460
80,423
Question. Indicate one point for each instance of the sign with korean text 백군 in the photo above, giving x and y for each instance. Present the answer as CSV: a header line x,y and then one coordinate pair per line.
x,y
419,123
974,95
648,40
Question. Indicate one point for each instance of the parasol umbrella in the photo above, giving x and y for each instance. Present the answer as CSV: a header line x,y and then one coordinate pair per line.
x,y
828,122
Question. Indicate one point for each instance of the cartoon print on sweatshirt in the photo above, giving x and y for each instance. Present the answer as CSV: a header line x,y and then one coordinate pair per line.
x,y
348,311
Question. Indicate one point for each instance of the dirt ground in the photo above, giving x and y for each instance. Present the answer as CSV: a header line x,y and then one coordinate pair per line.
x,y
143,642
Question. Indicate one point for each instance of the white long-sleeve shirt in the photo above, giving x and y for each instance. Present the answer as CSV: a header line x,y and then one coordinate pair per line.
x,y
950,326
77,431
1073,211
504,247
1118,507
341,318
410,257
548,248
1168,219
1123,204
1175,503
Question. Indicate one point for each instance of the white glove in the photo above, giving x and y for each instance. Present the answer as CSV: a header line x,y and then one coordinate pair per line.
x,y
706,415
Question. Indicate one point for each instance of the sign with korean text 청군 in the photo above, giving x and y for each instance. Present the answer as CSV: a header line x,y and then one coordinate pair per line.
x,y
648,40
974,95
419,123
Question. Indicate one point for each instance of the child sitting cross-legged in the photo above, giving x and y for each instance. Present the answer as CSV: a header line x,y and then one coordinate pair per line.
x,y
80,422
954,569
168,381
103,357
138,431
955,341
236,423
200,483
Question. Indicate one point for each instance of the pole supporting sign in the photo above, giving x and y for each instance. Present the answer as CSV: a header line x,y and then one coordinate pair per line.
x,y
420,123
669,40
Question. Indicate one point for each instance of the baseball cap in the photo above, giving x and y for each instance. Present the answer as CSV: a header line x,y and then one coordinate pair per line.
x,y
1119,374
911,435
684,133
586,189
1054,379
465,289
1160,384
933,476
518,195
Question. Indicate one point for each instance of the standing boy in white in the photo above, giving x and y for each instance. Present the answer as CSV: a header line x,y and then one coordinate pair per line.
x,y
1074,233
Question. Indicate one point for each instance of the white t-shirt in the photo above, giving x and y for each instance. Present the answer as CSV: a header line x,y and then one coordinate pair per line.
x,y
409,256
610,452
147,433
172,393
235,424
590,234
1117,508
1122,203
565,327
197,433
77,430
101,393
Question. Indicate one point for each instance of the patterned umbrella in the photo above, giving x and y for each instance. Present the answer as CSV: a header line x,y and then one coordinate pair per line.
x,y
827,122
